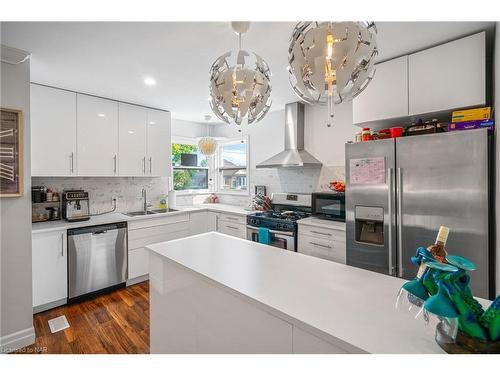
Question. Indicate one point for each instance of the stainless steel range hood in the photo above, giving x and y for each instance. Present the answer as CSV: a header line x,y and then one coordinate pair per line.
x,y
294,154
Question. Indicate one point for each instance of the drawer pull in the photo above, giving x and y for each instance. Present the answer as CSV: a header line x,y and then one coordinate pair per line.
x,y
231,218
324,234
320,245
229,226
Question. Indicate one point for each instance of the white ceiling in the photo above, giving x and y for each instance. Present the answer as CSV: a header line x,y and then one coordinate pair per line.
x,y
111,59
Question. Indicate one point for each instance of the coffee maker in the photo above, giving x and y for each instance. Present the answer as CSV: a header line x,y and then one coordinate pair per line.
x,y
75,205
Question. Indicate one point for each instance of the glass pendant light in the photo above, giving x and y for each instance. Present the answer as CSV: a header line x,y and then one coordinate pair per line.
x,y
207,145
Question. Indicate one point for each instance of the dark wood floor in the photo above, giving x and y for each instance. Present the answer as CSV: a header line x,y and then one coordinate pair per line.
x,y
113,323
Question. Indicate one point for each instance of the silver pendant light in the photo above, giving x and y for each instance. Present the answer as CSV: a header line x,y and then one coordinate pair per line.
x,y
240,86
331,62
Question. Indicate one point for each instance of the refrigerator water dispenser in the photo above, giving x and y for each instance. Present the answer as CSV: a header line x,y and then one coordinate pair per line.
x,y
369,225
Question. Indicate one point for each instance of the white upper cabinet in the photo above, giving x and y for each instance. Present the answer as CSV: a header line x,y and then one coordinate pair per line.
x,y
97,135
449,76
158,162
132,140
386,96
53,131
81,135
443,78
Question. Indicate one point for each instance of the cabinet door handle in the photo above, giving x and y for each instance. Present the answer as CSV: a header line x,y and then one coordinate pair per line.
x,y
324,234
62,244
144,165
231,218
114,164
229,226
320,245
150,165
72,170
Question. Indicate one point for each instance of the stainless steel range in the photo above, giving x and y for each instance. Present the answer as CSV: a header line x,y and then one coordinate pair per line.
x,y
281,221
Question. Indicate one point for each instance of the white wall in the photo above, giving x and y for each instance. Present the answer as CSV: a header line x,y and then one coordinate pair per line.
x,y
16,326
188,129
326,144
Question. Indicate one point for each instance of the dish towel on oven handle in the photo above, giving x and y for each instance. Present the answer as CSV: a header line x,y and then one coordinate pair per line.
x,y
264,236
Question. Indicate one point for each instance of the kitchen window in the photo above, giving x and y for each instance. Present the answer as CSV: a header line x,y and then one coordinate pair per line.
x,y
233,166
190,167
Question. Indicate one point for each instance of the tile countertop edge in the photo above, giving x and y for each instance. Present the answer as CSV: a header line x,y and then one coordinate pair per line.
x,y
116,217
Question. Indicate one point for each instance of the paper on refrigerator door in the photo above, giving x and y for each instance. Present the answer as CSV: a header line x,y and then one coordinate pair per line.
x,y
367,171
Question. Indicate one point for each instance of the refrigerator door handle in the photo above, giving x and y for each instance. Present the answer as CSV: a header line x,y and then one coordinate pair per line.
x,y
390,213
400,221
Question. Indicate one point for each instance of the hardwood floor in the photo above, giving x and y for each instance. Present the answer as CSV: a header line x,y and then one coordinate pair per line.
x,y
112,323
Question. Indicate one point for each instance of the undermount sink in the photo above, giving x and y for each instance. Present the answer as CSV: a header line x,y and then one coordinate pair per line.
x,y
139,213
163,210
150,212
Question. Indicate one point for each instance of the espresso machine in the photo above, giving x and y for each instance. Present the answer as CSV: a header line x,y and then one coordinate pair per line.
x,y
75,205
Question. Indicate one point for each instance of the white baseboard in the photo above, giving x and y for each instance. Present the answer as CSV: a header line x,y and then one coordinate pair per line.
x,y
17,340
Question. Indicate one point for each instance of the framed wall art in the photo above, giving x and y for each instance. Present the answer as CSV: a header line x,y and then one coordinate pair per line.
x,y
11,153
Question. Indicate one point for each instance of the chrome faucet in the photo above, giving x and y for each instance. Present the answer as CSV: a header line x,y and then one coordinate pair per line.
x,y
144,200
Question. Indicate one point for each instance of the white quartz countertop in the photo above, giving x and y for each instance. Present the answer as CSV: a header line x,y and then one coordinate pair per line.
x,y
120,217
225,208
346,303
322,223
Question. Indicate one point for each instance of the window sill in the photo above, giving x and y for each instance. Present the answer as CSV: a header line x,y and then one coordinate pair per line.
x,y
238,193
191,192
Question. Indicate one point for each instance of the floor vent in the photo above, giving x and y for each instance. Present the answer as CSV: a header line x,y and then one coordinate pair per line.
x,y
58,324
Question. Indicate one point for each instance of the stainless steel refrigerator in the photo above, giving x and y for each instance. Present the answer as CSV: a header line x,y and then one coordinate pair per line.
x,y
400,191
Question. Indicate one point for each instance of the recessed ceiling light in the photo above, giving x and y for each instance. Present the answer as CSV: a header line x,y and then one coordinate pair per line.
x,y
131,132
152,123
149,81
101,115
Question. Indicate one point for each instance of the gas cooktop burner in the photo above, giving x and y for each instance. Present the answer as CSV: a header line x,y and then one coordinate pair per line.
x,y
285,215
282,220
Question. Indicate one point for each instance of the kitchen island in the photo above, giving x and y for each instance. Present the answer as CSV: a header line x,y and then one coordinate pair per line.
x,y
213,293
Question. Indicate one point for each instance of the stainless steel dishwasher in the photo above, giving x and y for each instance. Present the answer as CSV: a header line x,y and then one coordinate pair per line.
x,y
97,259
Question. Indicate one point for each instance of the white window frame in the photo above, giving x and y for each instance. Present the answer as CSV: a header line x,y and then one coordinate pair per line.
x,y
218,179
194,142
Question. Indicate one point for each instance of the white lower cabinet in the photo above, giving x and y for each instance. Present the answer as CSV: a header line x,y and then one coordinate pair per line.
x,y
198,222
212,219
138,262
142,233
232,229
49,269
149,231
230,224
320,242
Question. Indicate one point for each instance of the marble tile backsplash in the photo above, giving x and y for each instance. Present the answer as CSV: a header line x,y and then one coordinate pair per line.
x,y
296,180
128,189
101,190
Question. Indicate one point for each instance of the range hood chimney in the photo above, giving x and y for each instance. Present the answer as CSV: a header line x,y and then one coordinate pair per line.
x,y
294,154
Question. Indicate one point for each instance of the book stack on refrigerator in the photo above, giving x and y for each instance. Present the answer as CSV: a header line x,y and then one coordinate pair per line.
x,y
477,118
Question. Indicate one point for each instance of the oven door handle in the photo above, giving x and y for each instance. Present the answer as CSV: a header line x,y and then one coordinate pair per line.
x,y
289,234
